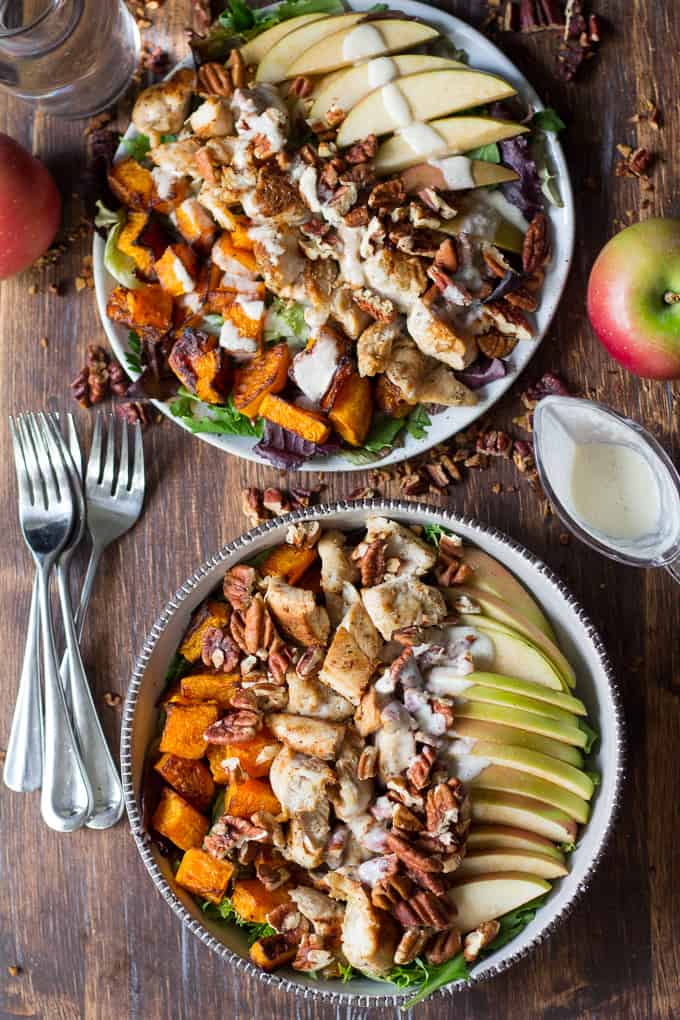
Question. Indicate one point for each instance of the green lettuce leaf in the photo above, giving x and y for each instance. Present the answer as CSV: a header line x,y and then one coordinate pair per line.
x,y
133,355
591,735
118,264
432,533
212,323
224,911
285,320
137,146
489,153
418,422
224,420
547,120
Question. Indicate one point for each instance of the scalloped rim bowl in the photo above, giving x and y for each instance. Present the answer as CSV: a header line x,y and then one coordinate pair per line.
x,y
486,57
577,637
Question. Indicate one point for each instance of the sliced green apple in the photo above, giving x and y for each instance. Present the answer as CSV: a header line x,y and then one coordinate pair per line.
x,y
516,656
507,236
472,729
490,575
504,837
511,780
349,46
450,136
507,616
556,729
432,175
492,696
277,60
536,764
342,90
420,97
538,692
497,806
484,862
255,50
482,898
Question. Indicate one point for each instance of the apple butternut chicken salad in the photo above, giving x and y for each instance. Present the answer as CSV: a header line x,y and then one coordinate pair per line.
x,y
327,234
371,755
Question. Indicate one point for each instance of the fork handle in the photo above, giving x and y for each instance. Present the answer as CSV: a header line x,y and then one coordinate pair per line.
x,y
101,771
66,797
24,759
86,590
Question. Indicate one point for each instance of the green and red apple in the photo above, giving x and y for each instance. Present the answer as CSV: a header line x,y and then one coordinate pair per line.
x,y
634,298
30,208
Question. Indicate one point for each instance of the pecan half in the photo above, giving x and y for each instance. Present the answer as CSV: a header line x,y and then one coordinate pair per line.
x,y
286,917
312,954
278,661
367,766
412,943
441,809
536,246
219,650
237,727
495,344
229,833
239,586
479,938
258,630
273,872
310,661
363,151
398,789
391,890
404,819
428,880
357,217
387,194
444,946
371,559
424,909
237,68
411,856
420,768
214,80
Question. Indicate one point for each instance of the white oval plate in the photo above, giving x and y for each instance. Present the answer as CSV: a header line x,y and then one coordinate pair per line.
x,y
486,57
576,636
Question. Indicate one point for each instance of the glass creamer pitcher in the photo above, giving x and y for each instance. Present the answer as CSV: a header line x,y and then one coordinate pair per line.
x,y
73,58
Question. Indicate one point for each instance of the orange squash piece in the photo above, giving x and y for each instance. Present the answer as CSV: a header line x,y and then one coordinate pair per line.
x,y
180,822
217,687
195,224
227,249
203,875
255,757
272,951
177,270
199,362
252,901
150,305
239,235
132,184
288,562
190,778
263,374
127,242
311,579
244,799
180,188
308,424
210,614
352,409
185,726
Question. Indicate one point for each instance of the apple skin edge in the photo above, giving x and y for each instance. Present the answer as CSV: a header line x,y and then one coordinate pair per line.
x,y
30,208
626,304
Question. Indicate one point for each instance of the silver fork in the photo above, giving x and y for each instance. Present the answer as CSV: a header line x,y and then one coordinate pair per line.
x,y
101,771
46,512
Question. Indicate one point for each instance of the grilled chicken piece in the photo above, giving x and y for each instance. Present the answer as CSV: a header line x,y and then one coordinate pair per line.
x,y
308,696
403,602
275,198
212,119
438,338
296,612
325,914
314,737
336,569
414,554
308,834
421,378
177,157
352,796
395,741
162,108
352,319
367,715
299,782
395,276
374,347
351,658
369,936
281,264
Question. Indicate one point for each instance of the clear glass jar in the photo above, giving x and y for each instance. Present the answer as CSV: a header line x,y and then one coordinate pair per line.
x,y
72,58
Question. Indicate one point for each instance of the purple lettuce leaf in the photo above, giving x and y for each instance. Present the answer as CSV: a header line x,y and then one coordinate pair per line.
x,y
482,371
286,450
524,193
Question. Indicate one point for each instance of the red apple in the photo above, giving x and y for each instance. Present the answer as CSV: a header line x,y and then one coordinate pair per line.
x,y
634,298
30,208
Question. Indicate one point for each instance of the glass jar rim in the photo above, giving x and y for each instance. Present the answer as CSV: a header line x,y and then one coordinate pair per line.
x,y
15,33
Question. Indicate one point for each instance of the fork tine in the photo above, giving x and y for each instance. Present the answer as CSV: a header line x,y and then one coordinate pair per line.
x,y
137,480
110,462
33,450
94,463
55,447
122,483
23,481
73,444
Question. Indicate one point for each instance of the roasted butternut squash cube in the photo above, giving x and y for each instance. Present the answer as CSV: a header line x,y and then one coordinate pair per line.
x,y
203,875
231,259
265,373
180,822
255,757
201,365
128,238
177,270
149,305
195,224
239,235
217,687
189,777
185,726
252,901
352,409
288,562
131,183
210,614
272,951
308,424
244,799
174,193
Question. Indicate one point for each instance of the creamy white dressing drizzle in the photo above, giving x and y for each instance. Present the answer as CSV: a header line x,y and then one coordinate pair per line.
x,y
362,41
253,309
456,171
313,368
381,70
422,138
396,105
444,680
350,262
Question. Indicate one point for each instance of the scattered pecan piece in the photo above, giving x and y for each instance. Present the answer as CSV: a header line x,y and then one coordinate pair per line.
x,y
363,151
273,872
357,217
214,80
312,954
230,833
420,768
219,650
479,938
412,943
387,194
237,68
494,443
253,507
371,559
239,586
237,727
536,247
389,891
411,856
444,946
495,344
548,385
405,820
259,631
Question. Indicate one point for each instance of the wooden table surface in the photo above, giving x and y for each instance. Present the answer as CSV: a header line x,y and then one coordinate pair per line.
x,y
78,913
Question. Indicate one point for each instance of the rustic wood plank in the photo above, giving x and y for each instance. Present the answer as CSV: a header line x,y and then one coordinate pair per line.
x,y
78,913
